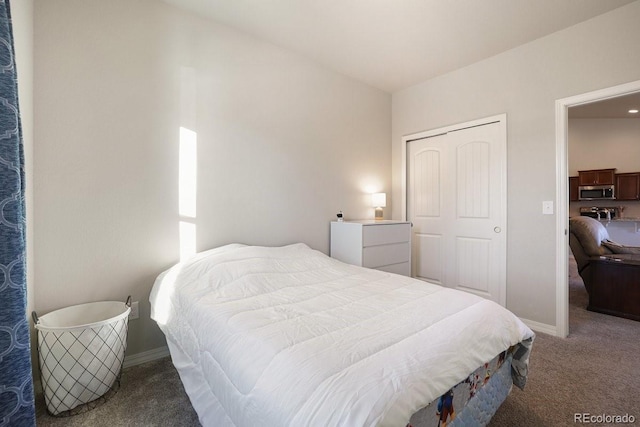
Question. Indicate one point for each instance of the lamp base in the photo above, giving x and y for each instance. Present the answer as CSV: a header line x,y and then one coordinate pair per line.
x,y
379,214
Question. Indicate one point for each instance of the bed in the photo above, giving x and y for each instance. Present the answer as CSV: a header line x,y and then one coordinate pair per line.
x,y
287,336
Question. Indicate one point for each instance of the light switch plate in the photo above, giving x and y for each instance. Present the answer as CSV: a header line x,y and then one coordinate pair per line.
x,y
547,207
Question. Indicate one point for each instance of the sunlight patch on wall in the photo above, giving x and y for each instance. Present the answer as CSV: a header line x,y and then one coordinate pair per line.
x,y
188,172
187,240
188,176
188,163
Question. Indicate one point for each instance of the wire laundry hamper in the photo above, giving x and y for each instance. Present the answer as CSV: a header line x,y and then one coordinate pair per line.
x,y
80,353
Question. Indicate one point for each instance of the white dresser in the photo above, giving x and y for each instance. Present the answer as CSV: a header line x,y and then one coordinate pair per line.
x,y
383,245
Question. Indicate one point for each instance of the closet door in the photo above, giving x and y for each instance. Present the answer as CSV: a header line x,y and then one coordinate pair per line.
x,y
427,207
456,199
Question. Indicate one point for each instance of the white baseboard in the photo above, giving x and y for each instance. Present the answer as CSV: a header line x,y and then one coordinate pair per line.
x,y
541,327
145,356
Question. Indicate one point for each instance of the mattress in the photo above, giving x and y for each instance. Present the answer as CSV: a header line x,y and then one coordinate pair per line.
x,y
471,402
289,336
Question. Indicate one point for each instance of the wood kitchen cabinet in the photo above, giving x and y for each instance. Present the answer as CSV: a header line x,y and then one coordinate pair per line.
x,y
597,177
573,188
628,186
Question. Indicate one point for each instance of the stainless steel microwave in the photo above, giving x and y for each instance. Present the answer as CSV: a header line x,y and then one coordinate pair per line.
x,y
596,192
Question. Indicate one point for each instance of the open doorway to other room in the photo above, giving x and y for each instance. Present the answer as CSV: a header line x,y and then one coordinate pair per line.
x,y
599,163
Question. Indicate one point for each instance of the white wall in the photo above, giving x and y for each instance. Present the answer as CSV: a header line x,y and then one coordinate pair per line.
x,y
525,83
603,144
283,144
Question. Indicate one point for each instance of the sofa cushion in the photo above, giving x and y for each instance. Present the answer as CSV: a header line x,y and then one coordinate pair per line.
x,y
617,248
590,233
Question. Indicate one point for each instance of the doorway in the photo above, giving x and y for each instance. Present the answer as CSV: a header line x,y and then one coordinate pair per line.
x,y
562,202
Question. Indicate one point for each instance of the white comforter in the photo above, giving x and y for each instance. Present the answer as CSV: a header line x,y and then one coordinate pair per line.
x,y
290,337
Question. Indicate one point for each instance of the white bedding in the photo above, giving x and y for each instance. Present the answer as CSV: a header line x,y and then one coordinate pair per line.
x,y
289,336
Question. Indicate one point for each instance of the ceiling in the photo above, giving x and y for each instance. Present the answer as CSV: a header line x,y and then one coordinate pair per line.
x,y
394,44
613,108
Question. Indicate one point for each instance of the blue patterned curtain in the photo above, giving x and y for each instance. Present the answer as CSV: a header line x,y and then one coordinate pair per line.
x,y
16,384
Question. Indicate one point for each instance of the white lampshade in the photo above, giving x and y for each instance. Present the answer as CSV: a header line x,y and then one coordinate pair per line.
x,y
379,200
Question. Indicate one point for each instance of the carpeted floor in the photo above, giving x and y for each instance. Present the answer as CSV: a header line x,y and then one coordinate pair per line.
x,y
150,394
596,370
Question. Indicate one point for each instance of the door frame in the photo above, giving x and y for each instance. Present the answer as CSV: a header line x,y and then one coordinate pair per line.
x,y
562,193
503,188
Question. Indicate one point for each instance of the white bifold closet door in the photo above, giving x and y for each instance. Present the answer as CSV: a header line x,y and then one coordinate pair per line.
x,y
456,200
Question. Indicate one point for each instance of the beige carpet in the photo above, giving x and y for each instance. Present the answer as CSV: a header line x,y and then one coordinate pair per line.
x,y
596,370
150,394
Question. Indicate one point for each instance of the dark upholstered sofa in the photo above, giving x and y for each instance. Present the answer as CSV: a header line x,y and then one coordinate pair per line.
x,y
610,271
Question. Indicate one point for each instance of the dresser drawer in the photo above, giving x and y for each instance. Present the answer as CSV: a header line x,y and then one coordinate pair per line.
x,y
378,256
403,268
385,234
383,245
